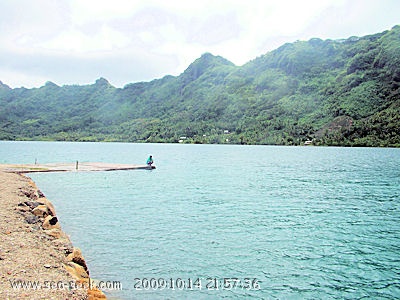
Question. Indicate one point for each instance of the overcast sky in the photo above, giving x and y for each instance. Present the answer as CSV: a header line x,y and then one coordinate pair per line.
x,y
125,41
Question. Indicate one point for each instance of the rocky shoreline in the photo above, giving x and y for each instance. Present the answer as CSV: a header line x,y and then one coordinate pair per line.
x,y
37,259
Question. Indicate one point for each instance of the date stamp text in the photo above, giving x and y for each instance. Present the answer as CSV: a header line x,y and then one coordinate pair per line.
x,y
208,283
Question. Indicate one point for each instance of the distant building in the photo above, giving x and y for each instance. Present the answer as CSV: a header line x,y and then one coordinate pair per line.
x,y
182,139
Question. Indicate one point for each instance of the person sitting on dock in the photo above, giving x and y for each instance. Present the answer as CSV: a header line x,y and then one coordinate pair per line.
x,y
150,161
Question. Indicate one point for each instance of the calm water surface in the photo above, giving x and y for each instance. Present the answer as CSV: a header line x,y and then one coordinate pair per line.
x,y
305,222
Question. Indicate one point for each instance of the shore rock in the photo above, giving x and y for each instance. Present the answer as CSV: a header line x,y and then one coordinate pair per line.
x,y
76,257
32,219
76,270
95,294
50,208
51,222
31,204
29,192
41,211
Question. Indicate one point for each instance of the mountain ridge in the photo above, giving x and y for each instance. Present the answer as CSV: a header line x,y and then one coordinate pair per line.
x,y
333,92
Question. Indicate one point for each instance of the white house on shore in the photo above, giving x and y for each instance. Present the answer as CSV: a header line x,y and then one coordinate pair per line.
x,y
307,143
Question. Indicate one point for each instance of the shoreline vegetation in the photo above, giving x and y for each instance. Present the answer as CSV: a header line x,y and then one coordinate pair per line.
x,y
191,141
37,259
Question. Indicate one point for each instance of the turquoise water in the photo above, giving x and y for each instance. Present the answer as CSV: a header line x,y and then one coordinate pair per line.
x,y
305,222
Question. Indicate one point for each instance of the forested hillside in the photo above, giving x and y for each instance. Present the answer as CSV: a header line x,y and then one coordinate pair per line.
x,y
330,92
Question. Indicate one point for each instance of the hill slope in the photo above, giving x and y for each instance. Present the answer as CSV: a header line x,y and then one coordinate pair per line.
x,y
334,92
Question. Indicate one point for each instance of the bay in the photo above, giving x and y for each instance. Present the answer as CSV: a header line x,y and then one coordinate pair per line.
x,y
300,222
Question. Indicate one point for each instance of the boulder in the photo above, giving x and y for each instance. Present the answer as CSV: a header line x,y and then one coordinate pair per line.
x,y
31,204
41,211
51,222
95,294
30,193
76,270
23,208
32,219
50,207
41,195
76,257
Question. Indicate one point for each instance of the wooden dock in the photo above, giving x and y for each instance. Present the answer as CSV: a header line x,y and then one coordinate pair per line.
x,y
70,167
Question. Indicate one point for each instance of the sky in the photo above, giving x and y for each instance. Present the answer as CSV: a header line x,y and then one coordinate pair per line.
x,y
126,41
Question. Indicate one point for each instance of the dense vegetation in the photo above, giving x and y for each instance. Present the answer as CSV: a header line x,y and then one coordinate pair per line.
x,y
333,92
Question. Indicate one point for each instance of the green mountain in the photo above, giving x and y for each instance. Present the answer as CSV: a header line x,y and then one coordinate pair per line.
x,y
333,92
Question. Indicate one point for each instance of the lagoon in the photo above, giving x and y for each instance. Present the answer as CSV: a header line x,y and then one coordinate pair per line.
x,y
301,222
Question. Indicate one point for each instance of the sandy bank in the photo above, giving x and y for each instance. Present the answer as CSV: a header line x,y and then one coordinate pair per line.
x,y
37,259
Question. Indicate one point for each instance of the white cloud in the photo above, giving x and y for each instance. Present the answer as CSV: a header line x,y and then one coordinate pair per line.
x,y
105,39
192,9
87,11
23,23
133,40
14,78
147,37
